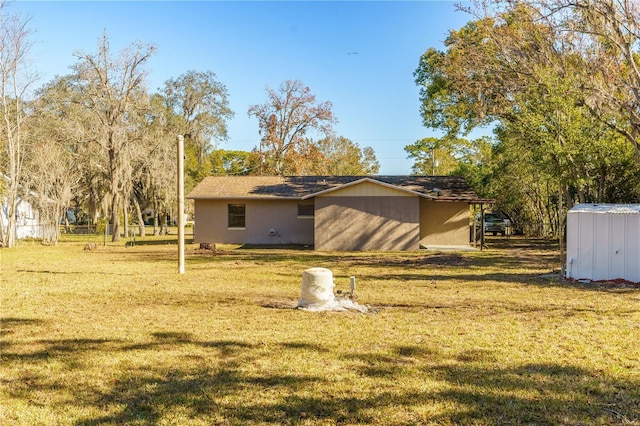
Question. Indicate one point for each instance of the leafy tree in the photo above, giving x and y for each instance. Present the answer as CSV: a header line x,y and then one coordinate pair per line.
x,y
477,165
229,162
512,68
490,64
434,156
369,161
289,114
64,119
603,35
343,157
200,110
154,165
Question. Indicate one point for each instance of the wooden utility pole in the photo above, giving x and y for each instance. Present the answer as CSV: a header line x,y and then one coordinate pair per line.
x,y
180,204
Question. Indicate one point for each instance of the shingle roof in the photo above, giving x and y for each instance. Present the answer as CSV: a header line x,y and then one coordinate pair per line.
x,y
452,188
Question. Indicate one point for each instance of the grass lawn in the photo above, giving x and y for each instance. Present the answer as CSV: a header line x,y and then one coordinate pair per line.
x,y
116,336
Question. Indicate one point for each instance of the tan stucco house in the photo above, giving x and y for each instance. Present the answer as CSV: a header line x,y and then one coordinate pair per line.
x,y
350,213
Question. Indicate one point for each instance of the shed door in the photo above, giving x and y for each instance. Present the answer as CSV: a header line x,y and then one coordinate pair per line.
x,y
617,250
586,239
602,242
632,244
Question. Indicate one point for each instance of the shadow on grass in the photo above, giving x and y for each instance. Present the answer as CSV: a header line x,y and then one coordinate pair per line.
x,y
468,387
9,324
516,254
524,278
513,259
78,273
58,349
296,247
528,394
158,241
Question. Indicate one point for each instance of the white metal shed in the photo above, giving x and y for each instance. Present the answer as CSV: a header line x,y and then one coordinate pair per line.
x,y
603,242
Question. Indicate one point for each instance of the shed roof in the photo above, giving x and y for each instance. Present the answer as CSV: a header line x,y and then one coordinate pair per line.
x,y
445,188
606,208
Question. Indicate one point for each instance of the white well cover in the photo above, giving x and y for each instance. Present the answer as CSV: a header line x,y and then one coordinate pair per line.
x,y
317,293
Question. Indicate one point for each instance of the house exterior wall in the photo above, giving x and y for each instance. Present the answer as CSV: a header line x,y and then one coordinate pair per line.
x,y
353,223
357,218
261,216
444,223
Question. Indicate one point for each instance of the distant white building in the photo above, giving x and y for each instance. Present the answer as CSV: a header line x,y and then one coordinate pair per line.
x,y
603,242
28,223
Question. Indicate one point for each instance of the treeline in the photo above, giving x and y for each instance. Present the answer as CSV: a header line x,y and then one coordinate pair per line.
x,y
98,140
559,80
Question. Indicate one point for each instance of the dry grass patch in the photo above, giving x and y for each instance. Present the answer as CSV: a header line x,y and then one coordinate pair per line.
x,y
115,336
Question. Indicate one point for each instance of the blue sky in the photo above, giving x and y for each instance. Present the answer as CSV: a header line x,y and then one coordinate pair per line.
x,y
358,55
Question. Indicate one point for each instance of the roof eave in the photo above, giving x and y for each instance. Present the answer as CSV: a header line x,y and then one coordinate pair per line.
x,y
463,199
359,181
243,197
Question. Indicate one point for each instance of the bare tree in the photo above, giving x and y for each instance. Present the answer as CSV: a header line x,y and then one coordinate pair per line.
x,y
15,79
53,177
284,121
111,88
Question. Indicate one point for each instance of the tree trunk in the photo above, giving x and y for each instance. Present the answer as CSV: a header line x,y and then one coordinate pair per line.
x,y
141,228
602,183
156,228
56,229
115,218
163,221
3,241
50,228
15,160
11,222
125,213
